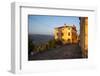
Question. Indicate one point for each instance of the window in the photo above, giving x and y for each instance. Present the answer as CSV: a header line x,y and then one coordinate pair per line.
x,y
68,33
69,40
57,34
60,34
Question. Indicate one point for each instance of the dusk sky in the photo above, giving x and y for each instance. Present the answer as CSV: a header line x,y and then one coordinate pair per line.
x,y
43,24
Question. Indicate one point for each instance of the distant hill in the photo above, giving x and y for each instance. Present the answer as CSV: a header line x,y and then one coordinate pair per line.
x,y
37,38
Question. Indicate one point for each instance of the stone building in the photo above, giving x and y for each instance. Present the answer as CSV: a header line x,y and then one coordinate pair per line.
x,y
66,34
84,35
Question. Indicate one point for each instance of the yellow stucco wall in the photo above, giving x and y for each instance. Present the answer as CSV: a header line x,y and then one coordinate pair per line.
x,y
65,37
55,34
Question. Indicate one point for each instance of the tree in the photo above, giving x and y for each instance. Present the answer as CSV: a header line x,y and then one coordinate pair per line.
x,y
30,46
52,43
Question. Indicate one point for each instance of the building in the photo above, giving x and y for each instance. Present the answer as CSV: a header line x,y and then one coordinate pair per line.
x,y
84,35
66,34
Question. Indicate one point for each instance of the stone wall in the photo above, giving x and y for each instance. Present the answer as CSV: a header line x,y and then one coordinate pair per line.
x,y
84,35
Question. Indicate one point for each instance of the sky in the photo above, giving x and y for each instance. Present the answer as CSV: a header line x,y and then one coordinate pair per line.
x,y
43,24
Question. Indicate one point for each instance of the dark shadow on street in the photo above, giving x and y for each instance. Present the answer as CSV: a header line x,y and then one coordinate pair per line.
x,y
69,51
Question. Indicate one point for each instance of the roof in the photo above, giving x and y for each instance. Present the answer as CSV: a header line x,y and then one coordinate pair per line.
x,y
73,27
65,26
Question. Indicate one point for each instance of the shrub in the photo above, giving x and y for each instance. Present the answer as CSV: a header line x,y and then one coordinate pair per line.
x,y
59,42
30,46
52,43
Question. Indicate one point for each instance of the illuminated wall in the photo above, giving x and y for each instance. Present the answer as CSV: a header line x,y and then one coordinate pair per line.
x,y
84,35
66,34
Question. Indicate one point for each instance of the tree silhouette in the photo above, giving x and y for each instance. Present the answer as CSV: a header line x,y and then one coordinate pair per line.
x,y
30,46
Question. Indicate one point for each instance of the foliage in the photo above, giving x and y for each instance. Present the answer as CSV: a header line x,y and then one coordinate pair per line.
x,y
52,43
30,46
41,47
